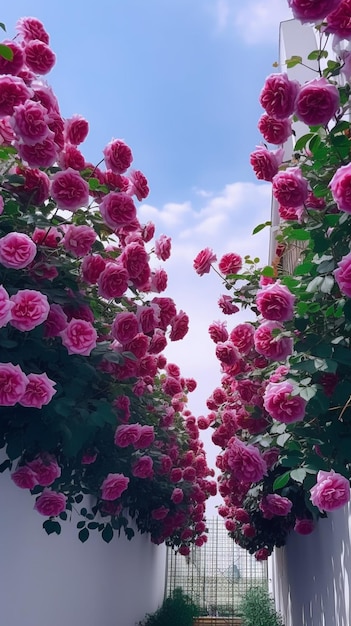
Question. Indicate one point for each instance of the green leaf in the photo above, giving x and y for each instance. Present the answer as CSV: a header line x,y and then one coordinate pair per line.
x,y
81,524
315,55
281,481
51,526
6,52
294,60
2,25
260,227
268,271
302,141
299,234
107,533
298,474
83,535
129,532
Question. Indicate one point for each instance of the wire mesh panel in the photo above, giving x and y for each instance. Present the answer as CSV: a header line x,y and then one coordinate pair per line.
x,y
216,575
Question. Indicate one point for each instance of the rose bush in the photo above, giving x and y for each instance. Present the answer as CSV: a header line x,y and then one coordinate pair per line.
x,y
93,419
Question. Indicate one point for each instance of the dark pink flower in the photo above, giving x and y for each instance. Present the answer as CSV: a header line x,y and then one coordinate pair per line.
x,y
143,468
39,58
5,307
278,96
43,154
71,157
76,129
274,504
227,353
275,302
177,495
290,188
46,469
79,239
16,64
282,405
139,184
118,156
202,262
270,346
50,503
13,384
125,327
30,122
79,337
245,461
265,163
160,513
13,92
227,306
113,486
338,19
117,209
92,266
36,186
274,131
242,336
262,554
218,331
17,250
39,391
343,275
127,434
113,281
69,190
312,10
332,491
340,186
55,322
179,326
317,102
24,477
230,263
163,247
30,309
32,28
304,526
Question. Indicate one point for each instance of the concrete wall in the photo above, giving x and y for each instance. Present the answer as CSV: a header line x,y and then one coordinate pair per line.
x,y
58,581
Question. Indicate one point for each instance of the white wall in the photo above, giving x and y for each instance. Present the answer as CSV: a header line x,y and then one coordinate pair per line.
x,y
58,581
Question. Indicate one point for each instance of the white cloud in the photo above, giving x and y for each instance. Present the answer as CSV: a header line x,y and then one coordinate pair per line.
x,y
258,21
171,214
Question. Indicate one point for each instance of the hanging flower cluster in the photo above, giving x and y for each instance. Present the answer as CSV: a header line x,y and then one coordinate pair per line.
x,y
89,404
282,414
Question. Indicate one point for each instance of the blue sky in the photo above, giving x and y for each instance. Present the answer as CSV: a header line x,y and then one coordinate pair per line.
x,y
179,81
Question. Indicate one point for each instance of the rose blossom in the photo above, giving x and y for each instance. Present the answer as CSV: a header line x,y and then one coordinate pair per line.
x,y
282,405
288,213
46,469
304,526
163,247
113,281
69,190
143,468
338,20
42,154
146,437
13,384
92,267
70,156
113,486
15,65
79,337
127,434
290,188
89,458
332,491
242,336
218,331
39,58
274,131
227,353
125,326
273,504
167,310
317,102
39,391
179,326
5,307
13,92
271,456
24,477
343,275
262,554
265,163
55,322
50,503
32,28
135,259
340,186
30,309
310,10
177,495
118,156
160,513
29,122
278,95
227,306
275,302
79,239
271,347
17,250
36,186
76,129
202,262
245,461
117,209
139,184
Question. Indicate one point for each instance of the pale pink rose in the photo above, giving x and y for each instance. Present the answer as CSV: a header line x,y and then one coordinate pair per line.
x,y
70,156
332,491
79,337
13,92
143,468
276,302
117,209
50,503
36,186
290,188
30,309
265,163
24,477
39,391
274,131
278,95
312,11
118,156
32,28
79,239
92,266
146,437
160,513
304,526
16,64
272,347
42,154
242,336
262,554
13,384
163,247
177,495
338,20
135,259
113,281
343,275
125,326
29,122
69,190
179,326
39,58
5,307
55,322
202,262
139,184
76,129
17,250
227,353
282,405
227,306
127,434
218,331
113,486
230,263
245,461
46,470
340,186
274,504
317,102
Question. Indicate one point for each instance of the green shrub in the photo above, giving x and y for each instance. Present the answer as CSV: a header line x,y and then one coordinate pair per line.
x,y
257,609
176,610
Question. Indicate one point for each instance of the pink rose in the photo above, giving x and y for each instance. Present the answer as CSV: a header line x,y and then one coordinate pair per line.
x,y
265,162
113,281
179,326
16,64
39,58
230,263
282,405
39,391
278,96
118,156
218,332
17,250
56,321
127,434
310,10
117,209
242,336
79,337
167,311
262,554
276,302
24,477
227,306
338,19
288,213
177,495
343,275
42,154
79,239
160,513
332,491
30,309
13,92
69,190
70,156
304,526
29,122
36,187
76,129
6,132
248,531
274,131
158,342
139,184
340,186
270,346
172,386
92,266
125,327
5,307
241,515
89,458
202,262
163,247
113,486
227,353
32,28
290,188
313,202
50,503
271,456
134,258
317,102
273,504
13,384
138,345
148,318
245,461
46,470
143,468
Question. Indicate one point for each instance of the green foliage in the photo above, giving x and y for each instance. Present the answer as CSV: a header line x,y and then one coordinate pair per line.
x,y
178,609
257,608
